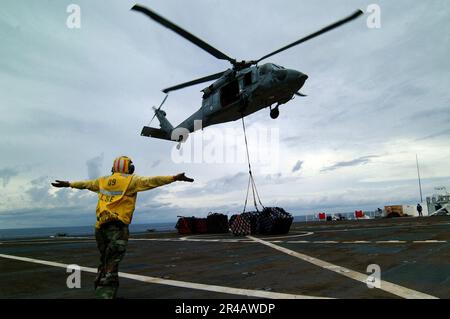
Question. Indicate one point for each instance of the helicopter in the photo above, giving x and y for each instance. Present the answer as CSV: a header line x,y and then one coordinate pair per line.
x,y
244,89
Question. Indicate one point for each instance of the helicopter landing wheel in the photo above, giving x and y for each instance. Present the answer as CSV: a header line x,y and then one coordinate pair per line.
x,y
274,113
180,138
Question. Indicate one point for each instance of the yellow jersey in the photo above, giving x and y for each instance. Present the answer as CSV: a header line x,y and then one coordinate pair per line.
x,y
117,194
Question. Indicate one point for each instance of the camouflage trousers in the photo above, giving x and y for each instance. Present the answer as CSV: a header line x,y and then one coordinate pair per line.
x,y
112,240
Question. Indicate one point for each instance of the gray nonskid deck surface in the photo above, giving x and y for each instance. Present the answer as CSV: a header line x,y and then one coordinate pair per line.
x,y
413,253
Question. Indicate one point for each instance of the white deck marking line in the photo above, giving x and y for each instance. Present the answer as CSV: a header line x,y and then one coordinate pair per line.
x,y
154,239
391,242
48,242
363,242
243,240
307,242
176,283
297,242
430,241
324,242
208,236
378,227
385,285
305,233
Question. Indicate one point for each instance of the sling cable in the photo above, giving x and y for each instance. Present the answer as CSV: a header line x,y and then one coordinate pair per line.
x,y
251,180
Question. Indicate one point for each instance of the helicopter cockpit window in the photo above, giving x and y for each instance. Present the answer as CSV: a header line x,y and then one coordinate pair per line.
x,y
277,67
248,79
264,69
229,93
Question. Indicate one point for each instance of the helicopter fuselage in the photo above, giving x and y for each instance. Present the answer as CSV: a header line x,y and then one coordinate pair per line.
x,y
241,93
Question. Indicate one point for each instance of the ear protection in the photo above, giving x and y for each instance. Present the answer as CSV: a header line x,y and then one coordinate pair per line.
x,y
123,164
131,168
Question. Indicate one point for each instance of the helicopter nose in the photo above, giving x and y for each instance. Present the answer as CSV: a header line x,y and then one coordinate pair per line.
x,y
281,74
296,78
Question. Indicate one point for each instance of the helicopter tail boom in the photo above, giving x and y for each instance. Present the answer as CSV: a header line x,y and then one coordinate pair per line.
x,y
156,133
165,130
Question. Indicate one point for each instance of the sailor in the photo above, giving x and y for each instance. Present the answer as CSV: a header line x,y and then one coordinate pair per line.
x,y
116,203
419,209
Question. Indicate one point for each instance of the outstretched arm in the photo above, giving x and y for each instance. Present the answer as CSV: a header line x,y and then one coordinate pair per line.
x,y
146,183
91,185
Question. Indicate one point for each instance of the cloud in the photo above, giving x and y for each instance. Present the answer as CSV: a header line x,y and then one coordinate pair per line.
x,y
357,161
38,191
222,185
441,114
445,132
94,166
297,166
155,163
6,174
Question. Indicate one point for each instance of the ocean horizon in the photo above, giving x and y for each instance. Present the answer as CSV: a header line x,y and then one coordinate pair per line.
x,y
71,231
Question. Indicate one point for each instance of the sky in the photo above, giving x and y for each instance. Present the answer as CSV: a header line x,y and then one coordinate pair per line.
x,y
73,99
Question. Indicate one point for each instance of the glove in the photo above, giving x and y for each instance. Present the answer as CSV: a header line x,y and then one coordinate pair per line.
x,y
60,184
182,178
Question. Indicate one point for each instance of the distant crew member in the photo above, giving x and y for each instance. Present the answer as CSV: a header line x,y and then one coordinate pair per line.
x,y
419,209
379,212
116,203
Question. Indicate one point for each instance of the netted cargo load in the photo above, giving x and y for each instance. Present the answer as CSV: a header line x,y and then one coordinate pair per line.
x,y
200,226
269,221
240,225
185,225
217,223
281,220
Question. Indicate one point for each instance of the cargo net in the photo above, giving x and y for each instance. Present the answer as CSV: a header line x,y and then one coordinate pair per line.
x,y
215,223
269,221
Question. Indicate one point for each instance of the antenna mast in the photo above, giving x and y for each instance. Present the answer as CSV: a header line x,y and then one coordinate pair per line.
x,y
418,175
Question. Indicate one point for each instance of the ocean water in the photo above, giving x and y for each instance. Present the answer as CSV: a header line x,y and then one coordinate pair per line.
x,y
23,233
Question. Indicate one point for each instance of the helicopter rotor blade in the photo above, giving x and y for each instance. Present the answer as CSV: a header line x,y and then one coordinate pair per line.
x,y
194,82
153,117
315,34
165,98
157,109
188,36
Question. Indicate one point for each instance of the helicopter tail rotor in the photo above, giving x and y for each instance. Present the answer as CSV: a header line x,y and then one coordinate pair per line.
x,y
157,109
